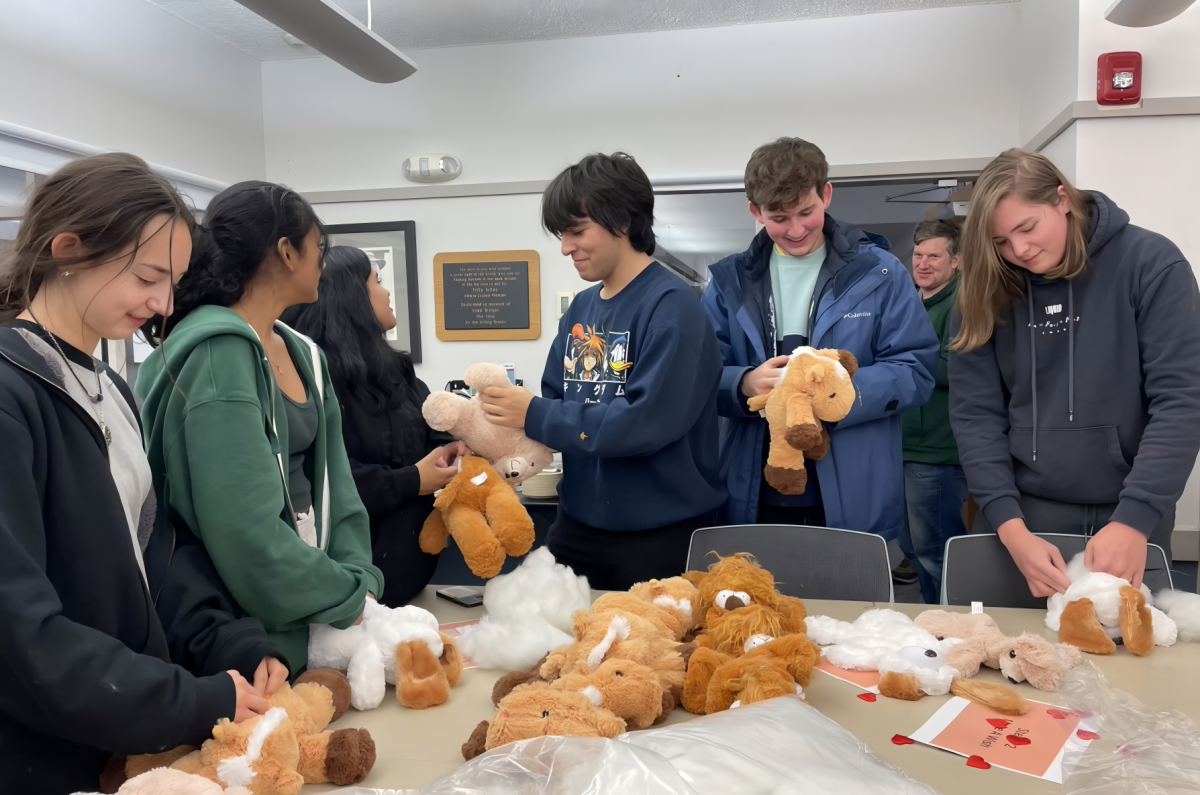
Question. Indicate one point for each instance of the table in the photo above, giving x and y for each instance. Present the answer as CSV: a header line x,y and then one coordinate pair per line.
x,y
417,746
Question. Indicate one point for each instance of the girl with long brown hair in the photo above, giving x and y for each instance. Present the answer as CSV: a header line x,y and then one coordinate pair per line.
x,y
1074,372
100,603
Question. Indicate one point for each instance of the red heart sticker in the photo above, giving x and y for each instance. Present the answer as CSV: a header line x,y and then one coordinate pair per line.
x,y
978,762
900,739
1015,740
1083,735
1056,714
867,696
999,723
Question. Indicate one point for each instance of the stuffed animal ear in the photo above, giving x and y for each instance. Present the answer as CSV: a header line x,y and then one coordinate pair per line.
x,y
451,659
476,744
848,361
1042,663
815,373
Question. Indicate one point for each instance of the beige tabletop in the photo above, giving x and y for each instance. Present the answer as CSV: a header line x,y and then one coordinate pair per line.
x,y
417,746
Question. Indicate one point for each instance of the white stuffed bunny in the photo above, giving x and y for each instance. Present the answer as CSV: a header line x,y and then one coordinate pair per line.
x,y
381,651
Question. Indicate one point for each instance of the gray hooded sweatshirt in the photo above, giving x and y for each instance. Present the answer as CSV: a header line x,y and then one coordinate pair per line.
x,y
1088,391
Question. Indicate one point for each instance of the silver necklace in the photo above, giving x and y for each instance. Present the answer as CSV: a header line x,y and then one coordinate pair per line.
x,y
97,398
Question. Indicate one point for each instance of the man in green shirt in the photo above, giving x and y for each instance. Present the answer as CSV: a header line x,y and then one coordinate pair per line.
x,y
935,486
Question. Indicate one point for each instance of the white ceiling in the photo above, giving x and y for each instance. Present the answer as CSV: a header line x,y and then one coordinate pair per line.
x,y
427,24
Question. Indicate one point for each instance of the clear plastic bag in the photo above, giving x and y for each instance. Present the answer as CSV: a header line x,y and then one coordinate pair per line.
x,y
1143,750
776,747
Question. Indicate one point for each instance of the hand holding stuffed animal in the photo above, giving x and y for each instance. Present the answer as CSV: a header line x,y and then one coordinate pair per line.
x,y
815,386
511,453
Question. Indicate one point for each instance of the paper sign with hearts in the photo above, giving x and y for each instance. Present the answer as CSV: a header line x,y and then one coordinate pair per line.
x,y
1032,743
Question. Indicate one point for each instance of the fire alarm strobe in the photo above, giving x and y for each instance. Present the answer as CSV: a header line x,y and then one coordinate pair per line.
x,y
1119,79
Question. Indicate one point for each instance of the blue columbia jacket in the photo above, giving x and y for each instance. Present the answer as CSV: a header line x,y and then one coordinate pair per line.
x,y
864,302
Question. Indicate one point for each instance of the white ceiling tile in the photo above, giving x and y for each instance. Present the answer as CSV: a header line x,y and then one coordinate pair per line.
x,y
430,24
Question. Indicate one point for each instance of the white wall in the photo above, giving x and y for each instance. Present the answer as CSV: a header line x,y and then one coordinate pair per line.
x,y
1049,33
682,102
123,74
494,223
1063,152
1149,167
1170,51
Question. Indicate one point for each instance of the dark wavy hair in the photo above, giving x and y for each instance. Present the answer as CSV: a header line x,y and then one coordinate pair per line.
x,y
242,226
612,190
342,321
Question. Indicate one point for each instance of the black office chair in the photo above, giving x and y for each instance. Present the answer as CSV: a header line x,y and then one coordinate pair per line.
x,y
978,568
808,562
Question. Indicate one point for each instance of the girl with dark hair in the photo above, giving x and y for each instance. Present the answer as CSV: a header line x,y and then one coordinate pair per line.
x,y
1074,373
244,433
97,596
395,457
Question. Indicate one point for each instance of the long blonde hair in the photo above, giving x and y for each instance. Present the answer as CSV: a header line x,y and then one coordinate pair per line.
x,y
989,285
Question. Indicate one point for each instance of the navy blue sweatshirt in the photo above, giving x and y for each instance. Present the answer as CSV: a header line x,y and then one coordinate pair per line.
x,y
629,397
1088,391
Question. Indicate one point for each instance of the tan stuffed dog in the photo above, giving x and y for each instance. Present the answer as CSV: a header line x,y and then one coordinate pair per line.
x,y
511,453
770,667
815,386
539,710
484,515
1028,658
276,753
616,634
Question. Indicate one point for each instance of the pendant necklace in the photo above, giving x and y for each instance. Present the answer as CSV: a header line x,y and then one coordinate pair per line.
x,y
97,398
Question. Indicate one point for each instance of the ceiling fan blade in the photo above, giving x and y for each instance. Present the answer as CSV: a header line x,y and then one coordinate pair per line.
x,y
331,31
1145,13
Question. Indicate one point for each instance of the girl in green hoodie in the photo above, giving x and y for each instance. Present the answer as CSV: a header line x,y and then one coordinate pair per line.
x,y
243,429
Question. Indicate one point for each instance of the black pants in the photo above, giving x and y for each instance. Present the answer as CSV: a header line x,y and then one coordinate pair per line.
x,y
616,560
1049,516
808,515
396,550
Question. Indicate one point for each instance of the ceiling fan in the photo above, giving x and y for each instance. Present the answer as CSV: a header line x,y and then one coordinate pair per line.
x,y
332,32
1145,13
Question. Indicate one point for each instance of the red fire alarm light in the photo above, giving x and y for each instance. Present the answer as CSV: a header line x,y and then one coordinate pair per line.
x,y
1119,78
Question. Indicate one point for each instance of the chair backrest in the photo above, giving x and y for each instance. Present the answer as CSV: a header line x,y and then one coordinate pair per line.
x,y
978,568
808,562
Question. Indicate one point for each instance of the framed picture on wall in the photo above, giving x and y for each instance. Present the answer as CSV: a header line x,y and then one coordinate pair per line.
x,y
392,247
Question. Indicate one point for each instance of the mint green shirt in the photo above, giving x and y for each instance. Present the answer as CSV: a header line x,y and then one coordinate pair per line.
x,y
793,280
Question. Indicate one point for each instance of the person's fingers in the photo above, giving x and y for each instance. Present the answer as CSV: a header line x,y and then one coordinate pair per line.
x,y
1089,555
279,675
1135,579
257,704
261,676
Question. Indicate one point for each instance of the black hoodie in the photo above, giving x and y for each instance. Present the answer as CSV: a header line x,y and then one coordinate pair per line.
x,y
1096,400
85,652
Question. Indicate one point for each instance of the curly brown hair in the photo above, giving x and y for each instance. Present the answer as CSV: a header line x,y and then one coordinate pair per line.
x,y
783,171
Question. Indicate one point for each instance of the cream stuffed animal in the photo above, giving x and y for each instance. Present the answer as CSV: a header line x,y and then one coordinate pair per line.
x,y
392,646
511,453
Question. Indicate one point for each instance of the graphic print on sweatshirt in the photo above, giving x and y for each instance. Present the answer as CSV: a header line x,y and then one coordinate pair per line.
x,y
597,357
1052,319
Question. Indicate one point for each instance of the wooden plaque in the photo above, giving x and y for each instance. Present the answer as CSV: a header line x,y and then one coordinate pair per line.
x,y
487,295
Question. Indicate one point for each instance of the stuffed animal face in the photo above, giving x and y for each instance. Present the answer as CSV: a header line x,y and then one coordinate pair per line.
x,y
537,710
823,375
625,688
513,455
738,600
675,594
1031,658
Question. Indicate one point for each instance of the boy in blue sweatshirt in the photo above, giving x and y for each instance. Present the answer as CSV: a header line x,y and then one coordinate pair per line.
x,y
629,390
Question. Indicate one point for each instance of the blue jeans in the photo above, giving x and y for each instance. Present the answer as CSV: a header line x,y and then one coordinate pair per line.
x,y
935,494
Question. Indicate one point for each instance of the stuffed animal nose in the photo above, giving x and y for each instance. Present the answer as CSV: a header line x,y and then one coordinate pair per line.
x,y
733,603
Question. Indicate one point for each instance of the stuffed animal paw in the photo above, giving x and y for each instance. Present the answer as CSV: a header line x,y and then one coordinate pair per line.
x,y
484,515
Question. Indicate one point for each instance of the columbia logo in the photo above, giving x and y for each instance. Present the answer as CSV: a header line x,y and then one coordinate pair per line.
x,y
856,314
1053,309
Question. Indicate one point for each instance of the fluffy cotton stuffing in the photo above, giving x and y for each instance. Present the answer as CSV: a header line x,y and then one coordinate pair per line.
x,y
1184,609
826,631
528,613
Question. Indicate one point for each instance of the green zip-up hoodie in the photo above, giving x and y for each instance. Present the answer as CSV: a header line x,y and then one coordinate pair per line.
x,y
927,434
213,452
